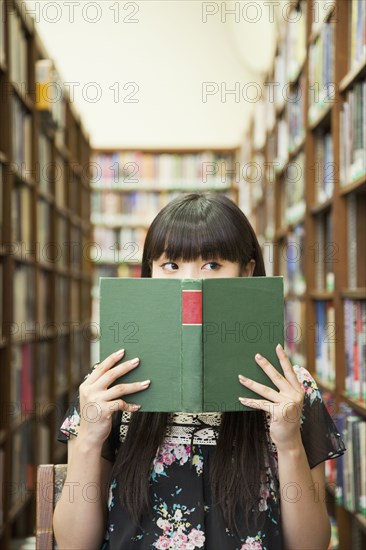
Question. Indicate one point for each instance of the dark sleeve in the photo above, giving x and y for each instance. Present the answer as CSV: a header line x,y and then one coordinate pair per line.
x,y
319,434
71,422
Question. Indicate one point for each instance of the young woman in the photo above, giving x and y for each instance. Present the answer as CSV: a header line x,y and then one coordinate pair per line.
x,y
221,481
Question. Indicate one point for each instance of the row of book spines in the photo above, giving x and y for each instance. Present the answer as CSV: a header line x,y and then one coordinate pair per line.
x,y
67,292
125,243
21,135
325,342
25,457
353,134
28,397
110,203
321,62
2,42
357,32
18,50
139,165
355,348
351,468
347,474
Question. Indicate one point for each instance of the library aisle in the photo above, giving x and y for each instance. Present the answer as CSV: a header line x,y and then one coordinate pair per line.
x,y
74,207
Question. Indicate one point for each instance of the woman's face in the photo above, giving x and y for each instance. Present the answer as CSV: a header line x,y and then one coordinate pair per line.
x,y
199,269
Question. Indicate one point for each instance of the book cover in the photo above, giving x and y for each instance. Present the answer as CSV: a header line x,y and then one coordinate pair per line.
x,y
193,337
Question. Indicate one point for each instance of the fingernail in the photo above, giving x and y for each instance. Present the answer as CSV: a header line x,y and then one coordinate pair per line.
x,y
145,383
279,347
120,352
136,407
242,378
242,400
135,360
258,356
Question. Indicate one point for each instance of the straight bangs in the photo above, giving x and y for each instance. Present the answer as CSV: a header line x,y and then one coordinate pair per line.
x,y
198,225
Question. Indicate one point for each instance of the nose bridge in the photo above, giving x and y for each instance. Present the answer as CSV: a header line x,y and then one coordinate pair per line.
x,y
192,270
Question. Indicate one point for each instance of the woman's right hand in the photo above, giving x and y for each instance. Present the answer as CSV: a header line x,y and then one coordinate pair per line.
x,y
98,402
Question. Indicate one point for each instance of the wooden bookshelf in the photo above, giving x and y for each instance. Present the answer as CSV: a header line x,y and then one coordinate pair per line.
x,y
45,277
323,221
129,187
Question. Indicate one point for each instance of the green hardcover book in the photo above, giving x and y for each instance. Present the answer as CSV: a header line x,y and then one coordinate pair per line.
x,y
193,337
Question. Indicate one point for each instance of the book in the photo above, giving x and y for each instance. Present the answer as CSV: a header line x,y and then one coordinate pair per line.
x,y
353,134
355,348
193,337
2,37
325,338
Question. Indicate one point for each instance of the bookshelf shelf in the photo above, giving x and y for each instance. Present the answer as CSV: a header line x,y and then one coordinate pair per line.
x,y
36,352
354,294
322,207
361,520
355,74
331,236
321,17
321,117
294,152
321,295
324,386
359,186
24,98
358,406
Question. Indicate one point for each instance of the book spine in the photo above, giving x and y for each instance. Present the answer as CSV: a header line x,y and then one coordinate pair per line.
x,y
191,346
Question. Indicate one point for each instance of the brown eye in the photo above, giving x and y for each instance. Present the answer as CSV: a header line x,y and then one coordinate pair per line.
x,y
213,266
173,265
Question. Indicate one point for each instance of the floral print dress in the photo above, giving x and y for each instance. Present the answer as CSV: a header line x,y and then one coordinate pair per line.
x,y
182,516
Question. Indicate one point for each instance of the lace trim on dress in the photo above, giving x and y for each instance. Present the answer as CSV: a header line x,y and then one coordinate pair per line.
x,y
185,428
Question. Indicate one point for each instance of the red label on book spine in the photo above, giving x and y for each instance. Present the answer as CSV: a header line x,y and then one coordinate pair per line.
x,y
191,307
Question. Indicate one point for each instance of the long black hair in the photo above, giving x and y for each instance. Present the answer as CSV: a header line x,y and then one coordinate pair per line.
x,y
209,225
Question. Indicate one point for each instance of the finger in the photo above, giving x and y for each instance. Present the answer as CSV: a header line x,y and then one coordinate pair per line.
x,y
123,406
110,375
104,366
287,367
279,381
260,389
128,407
126,389
259,404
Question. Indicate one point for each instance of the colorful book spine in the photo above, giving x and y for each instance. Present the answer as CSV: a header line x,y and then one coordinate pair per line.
x,y
21,137
353,134
324,167
2,39
355,348
357,50
295,189
321,72
325,337
351,478
18,51
134,169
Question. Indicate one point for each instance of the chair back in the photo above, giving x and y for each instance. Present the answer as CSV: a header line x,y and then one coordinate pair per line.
x,y
50,480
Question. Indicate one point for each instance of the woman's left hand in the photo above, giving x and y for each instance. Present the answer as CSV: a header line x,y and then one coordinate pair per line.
x,y
284,406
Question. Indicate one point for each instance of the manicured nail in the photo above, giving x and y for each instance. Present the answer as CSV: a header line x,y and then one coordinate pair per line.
x,y
243,400
242,378
258,356
136,407
120,352
279,347
145,383
135,360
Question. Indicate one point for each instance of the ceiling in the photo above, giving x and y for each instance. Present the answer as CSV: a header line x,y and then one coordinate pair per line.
x,y
158,73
